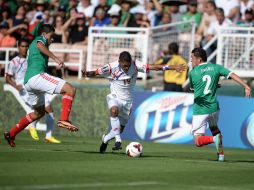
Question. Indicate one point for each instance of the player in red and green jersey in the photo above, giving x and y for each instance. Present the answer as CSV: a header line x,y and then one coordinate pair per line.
x,y
37,83
204,78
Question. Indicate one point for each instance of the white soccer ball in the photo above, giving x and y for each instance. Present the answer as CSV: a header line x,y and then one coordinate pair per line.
x,y
134,149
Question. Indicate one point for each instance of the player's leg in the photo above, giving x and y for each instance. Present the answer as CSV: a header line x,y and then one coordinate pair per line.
x,y
213,120
32,127
23,123
54,85
199,124
49,116
68,92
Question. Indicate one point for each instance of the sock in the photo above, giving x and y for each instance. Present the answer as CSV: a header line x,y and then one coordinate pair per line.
x,y
33,124
109,136
204,140
23,123
66,107
214,130
50,124
115,124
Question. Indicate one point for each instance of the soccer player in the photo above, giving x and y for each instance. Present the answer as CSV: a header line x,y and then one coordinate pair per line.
x,y
38,83
15,77
122,75
204,78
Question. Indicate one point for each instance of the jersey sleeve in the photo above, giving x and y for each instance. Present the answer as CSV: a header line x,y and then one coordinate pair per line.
x,y
105,70
144,68
11,68
223,71
42,40
190,79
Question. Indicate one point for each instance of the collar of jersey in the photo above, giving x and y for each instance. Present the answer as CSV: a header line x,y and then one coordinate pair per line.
x,y
203,63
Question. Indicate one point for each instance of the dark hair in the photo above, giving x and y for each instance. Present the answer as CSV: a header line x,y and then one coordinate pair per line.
x,y
173,48
125,56
220,10
213,4
45,28
200,52
23,40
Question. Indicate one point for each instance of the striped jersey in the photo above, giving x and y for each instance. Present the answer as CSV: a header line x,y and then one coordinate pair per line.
x,y
17,69
122,83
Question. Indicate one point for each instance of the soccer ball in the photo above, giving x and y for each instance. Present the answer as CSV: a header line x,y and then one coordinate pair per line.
x,y
134,149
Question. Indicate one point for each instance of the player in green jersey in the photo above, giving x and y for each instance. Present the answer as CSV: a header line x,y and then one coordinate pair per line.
x,y
204,78
37,82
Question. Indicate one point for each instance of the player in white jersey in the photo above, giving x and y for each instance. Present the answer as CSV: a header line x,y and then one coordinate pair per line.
x,y
15,77
122,75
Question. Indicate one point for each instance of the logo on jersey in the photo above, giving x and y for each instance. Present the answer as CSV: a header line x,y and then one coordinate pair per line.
x,y
248,130
165,117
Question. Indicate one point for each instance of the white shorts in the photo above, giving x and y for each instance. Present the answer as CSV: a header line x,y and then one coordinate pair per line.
x,y
40,85
124,108
201,122
25,96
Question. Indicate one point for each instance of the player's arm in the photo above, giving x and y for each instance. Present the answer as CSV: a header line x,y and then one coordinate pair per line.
x,y
101,71
236,78
9,80
48,53
178,68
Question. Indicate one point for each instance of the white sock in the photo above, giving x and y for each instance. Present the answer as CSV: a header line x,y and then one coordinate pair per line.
x,y
115,124
50,124
33,124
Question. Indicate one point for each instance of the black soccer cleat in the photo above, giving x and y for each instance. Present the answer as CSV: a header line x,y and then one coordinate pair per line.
x,y
118,146
103,147
9,139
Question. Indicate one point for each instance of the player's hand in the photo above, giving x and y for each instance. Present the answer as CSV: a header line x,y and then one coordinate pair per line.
x,y
60,63
247,91
180,68
90,73
19,87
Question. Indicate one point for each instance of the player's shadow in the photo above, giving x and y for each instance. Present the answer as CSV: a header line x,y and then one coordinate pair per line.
x,y
143,156
234,161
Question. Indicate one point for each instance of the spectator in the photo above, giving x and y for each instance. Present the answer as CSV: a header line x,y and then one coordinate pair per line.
x,y
208,17
191,14
248,19
126,16
244,5
60,35
165,19
19,18
61,11
173,80
153,10
5,15
102,4
100,19
140,18
175,14
214,30
72,5
78,33
231,9
21,31
6,40
87,9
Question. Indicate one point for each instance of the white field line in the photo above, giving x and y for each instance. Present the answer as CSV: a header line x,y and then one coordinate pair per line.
x,y
82,185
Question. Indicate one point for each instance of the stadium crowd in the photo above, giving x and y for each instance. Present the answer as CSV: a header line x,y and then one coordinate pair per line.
x,y
72,18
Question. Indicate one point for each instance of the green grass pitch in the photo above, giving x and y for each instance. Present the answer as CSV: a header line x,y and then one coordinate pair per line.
x,y
76,164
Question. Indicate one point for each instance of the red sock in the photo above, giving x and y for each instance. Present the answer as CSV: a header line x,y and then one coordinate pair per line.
x,y
204,140
66,107
23,123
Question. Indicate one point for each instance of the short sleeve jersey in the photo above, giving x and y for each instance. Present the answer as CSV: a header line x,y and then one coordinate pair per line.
x,y
204,79
17,69
122,83
37,61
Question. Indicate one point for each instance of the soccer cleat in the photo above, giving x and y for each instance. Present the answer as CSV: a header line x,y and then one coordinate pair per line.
x,y
67,125
103,146
118,146
52,140
9,139
33,133
221,157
